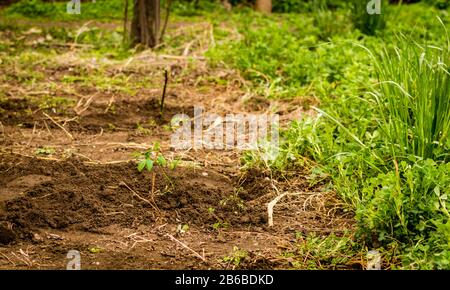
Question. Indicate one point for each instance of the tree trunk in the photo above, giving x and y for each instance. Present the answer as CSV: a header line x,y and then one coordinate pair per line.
x,y
264,6
146,23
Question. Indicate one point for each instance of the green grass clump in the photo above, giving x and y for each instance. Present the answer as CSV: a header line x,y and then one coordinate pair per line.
x,y
414,99
314,252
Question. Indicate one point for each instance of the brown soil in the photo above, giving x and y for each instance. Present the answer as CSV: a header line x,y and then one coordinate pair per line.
x,y
50,207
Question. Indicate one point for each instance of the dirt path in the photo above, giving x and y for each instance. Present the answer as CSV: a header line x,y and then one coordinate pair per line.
x,y
87,195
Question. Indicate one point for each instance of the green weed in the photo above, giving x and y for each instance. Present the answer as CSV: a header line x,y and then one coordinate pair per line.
x,y
45,150
236,257
151,157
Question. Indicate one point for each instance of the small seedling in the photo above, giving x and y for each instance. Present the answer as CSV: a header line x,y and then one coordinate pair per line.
x,y
220,225
182,229
167,128
95,250
142,130
111,126
148,158
153,156
234,201
236,257
173,164
45,151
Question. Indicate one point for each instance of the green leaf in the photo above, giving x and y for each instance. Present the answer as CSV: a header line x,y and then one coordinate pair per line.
x,y
156,146
136,154
161,161
149,164
95,250
437,191
173,164
141,166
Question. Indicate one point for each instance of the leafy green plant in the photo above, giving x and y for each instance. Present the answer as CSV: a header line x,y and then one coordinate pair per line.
x,y
182,229
151,157
410,205
236,257
373,148
31,8
45,150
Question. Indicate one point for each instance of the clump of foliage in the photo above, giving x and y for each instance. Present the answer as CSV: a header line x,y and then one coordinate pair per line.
x,y
236,257
410,205
296,6
32,8
45,150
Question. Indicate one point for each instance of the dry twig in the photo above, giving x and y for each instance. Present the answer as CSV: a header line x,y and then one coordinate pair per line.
x,y
140,197
186,247
59,125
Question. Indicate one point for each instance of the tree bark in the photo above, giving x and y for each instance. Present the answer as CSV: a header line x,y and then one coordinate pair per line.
x,y
145,25
264,6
